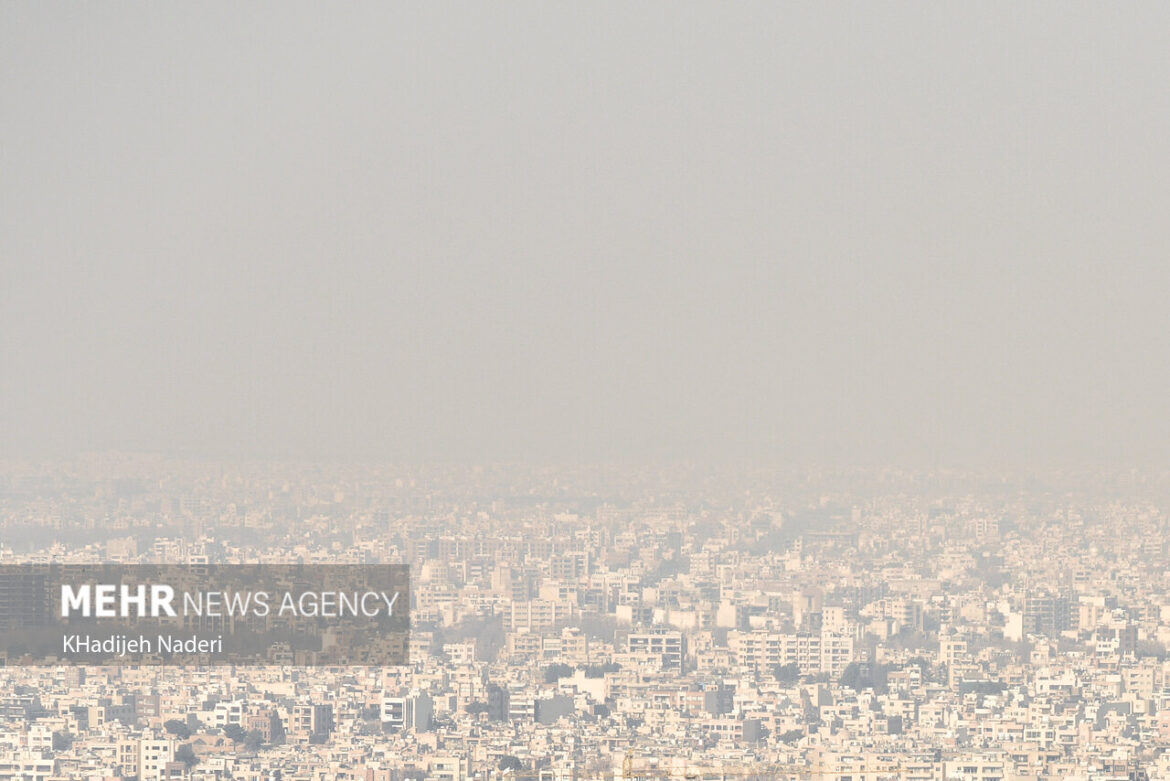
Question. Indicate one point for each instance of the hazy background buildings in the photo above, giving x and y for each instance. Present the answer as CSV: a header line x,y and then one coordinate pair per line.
x,y
919,233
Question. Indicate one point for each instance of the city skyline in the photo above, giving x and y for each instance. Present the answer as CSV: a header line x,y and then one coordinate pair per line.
x,y
667,391
616,625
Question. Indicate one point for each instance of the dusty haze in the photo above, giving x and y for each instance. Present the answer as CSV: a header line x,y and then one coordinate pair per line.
x,y
847,233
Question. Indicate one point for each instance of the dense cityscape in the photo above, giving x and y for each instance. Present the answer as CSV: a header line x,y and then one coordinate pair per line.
x,y
538,391
628,623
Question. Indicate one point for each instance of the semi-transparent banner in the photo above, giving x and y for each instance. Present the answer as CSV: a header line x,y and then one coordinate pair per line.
x,y
204,614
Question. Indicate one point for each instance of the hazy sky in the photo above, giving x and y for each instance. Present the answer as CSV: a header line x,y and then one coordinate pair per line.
x,y
868,232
